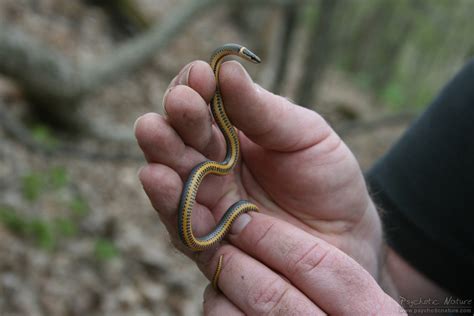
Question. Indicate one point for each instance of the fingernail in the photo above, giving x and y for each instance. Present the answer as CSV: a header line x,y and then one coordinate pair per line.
x,y
135,124
139,172
207,293
163,103
240,224
183,76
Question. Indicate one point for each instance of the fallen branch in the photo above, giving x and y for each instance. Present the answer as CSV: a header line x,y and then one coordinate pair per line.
x,y
46,76
16,130
138,51
56,86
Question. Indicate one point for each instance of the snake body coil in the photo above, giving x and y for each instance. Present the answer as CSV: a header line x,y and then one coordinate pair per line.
x,y
204,168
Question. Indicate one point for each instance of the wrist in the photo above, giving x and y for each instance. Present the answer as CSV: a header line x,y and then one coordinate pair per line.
x,y
365,243
398,278
409,282
384,279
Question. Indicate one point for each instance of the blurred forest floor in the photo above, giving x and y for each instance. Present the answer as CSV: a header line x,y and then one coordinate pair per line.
x,y
77,233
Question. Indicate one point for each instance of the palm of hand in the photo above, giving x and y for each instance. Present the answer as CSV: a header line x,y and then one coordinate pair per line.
x,y
318,188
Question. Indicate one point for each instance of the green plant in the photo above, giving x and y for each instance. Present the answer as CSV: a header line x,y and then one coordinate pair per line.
x,y
39,230
104,249
44,135
64,227
363,81
79,206
47,232
58,177
12,220
42,232
32,185
393,95
34,182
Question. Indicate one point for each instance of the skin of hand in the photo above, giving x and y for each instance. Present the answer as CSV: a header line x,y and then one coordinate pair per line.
x,y
316,244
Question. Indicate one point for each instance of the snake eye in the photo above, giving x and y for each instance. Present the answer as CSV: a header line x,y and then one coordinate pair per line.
x,y
250,56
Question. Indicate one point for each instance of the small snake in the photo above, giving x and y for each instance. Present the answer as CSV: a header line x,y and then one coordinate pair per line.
x,y
204,168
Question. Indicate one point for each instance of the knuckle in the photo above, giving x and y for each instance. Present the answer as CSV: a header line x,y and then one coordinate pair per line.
x,y
304,260
266,232
267,297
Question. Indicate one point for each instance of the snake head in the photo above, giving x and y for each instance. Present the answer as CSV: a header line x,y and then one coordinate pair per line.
x,y
249,55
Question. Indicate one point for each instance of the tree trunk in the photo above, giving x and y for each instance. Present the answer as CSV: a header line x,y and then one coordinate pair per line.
x,y
318,53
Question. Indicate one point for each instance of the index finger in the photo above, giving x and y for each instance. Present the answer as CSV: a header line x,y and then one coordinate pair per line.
x,y
256,289
321,271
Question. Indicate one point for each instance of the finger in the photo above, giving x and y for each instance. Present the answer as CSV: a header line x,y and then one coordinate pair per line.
x,y
198,76
271,121
324,273
163,187
186,104
255,289
158,140
155,135
188,114
217,304
161,144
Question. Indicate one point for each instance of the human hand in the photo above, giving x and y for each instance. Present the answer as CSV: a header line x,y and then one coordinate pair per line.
x,y
293,166
275,268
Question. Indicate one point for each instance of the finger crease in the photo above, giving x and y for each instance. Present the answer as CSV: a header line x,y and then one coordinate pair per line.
x,y
278,301
314,265
297,267
259,240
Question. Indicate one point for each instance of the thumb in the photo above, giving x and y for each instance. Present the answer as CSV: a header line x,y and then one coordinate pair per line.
x,y
269,120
